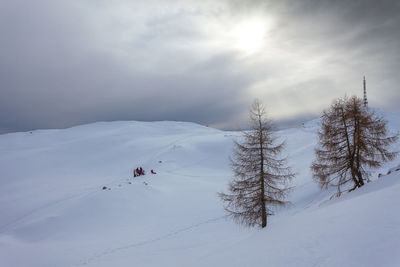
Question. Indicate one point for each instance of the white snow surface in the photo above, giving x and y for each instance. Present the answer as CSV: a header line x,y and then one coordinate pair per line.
x,y
54,212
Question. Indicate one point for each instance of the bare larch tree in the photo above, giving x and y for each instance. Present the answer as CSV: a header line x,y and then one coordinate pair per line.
x,y
260,176
352,141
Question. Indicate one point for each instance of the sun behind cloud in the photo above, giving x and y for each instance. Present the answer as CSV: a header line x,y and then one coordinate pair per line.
x,y
249,35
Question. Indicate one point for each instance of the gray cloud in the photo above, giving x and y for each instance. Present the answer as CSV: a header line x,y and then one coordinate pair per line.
x,y
324,49
64,63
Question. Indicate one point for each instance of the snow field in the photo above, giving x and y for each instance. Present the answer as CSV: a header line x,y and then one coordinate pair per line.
x,y
55,213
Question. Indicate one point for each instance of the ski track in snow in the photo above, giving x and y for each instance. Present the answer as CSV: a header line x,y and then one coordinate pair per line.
x,y
165,149
53,204
89,192
147,242
168,147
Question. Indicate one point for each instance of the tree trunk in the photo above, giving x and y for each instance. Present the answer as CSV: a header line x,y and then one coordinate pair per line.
x,y
262,194
350,152
360,179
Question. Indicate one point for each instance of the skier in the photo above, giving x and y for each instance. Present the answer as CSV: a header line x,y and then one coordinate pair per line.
x,y
153,172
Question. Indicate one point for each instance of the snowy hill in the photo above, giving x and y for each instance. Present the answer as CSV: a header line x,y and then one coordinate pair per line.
x,y
54,211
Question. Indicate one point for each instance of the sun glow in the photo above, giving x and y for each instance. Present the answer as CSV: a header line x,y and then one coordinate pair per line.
x,y
248,36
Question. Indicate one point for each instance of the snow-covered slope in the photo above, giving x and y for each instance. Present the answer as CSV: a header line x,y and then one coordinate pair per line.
x,y
54,211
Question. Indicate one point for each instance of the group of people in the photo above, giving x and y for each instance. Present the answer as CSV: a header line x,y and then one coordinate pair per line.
x,y
139,171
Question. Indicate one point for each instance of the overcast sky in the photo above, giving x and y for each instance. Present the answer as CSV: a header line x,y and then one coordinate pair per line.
x,y
64,63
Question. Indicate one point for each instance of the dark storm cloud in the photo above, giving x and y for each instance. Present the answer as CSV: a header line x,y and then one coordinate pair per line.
x,y
64,63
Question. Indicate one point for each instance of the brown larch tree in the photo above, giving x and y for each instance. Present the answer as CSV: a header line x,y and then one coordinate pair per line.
x,y
352,141
260,176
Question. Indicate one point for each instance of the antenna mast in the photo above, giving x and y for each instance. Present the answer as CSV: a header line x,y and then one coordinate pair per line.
x,y
365,94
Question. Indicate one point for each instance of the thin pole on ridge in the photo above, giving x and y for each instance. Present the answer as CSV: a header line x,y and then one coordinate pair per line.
x,y
365,94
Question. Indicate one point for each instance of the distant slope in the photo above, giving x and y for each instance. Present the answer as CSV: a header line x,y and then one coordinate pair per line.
x,y
55,213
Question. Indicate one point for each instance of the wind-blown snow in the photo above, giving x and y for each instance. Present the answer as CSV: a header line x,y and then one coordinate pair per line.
x,y
55,213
